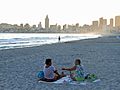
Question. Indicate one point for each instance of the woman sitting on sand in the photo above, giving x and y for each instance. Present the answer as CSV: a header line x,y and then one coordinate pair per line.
x,y
50,73
78,73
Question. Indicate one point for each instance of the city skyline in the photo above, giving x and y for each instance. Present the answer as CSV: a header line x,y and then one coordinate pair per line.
x,y
101,25
59,11
98,22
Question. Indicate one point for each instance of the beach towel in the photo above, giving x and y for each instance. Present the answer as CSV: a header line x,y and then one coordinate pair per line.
x,y
68,80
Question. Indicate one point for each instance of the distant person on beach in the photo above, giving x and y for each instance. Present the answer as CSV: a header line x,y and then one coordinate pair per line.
x,y
50,73
76,72
59,38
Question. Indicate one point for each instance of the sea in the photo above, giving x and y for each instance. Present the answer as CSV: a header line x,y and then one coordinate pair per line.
x,y
21,40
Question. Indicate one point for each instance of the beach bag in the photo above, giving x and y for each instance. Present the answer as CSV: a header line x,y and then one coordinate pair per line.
x,y
40,74
91,77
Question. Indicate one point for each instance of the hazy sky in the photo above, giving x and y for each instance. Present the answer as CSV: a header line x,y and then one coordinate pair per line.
x,y
59,11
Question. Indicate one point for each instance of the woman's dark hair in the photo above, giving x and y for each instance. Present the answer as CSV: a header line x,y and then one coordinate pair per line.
x,y
79,61
47,61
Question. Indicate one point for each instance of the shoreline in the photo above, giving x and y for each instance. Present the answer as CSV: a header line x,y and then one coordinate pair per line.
x,y
48,43
18,67
102,36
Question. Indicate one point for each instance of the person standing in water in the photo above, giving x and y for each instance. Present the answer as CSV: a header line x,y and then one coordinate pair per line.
x,y
59,38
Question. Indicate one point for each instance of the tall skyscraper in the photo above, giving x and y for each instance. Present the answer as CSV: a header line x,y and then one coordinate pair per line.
x,y
111,22
117,21
104,22
40,25
101,22
47,23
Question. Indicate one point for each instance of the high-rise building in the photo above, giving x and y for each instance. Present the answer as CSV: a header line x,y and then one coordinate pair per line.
x,y
111,22
47,23
104,22
59,27
117,21
64,27
40,25
101,22
53,27
95,24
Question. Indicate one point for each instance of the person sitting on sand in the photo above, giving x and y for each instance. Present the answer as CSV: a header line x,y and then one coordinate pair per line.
x,y
78,73
50,73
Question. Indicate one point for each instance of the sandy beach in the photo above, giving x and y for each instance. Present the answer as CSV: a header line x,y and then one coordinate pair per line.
x,y
19,67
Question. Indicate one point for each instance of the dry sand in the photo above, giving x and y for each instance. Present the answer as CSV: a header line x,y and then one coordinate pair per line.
x,y
18,67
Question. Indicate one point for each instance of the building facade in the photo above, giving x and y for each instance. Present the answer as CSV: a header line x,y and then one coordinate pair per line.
x,y
117,21
95,24
101,22
111,22
47,23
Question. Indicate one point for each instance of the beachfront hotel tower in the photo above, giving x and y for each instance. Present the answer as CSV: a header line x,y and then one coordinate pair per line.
x,y
101,22
117,21
104,22
111,22
46,22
